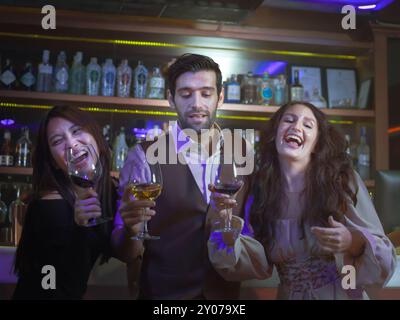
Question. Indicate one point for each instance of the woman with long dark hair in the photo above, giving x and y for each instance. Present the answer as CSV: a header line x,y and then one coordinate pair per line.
x,y
54,232
312,214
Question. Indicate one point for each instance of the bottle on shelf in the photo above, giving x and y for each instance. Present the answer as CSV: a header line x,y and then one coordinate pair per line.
x,y
120,150
8,80
107,135
23,150
108,73
77,75
249,89
61,73
140,81
6,151
45,73
17,211
93,76
27,79
297,90
280,90
317,99
232,90
124,79
266,93
363,155
156,85
351,150
4,223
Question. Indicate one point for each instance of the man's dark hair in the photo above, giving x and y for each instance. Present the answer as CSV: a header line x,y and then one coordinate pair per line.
x,y
189,62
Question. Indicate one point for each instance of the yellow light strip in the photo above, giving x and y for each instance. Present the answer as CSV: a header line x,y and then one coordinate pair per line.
x,y
175,45
129,111
341,121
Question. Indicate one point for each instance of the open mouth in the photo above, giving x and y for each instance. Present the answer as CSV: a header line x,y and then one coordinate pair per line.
x,y
83,156
294,141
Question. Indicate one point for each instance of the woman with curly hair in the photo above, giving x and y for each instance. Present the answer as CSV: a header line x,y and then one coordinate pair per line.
x,y
311,214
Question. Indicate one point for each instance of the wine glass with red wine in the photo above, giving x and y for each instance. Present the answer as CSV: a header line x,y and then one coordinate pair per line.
x,y
225,179
85,169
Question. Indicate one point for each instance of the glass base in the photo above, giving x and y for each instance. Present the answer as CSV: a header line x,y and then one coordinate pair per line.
x,y
145,236
97,221
227,230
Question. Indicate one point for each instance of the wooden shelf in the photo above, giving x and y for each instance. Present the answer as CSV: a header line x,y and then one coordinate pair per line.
x,y
29,98
28,171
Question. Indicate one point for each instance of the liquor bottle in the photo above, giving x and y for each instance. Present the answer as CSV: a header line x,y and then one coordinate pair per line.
x,y
23,150
266,90
124,79
45,72
232,90
27,79
4,223
351,150
156,87
297,90
77,75
108,78
249,89
93,76
61,73
280,90
17,211
120,150
6,152
107,135
363,155
8,79
140,81
318,100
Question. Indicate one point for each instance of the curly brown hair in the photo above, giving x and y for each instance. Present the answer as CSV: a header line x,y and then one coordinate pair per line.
x,y
328,178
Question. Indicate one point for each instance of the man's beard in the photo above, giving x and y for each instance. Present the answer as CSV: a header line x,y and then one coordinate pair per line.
x,y
207,125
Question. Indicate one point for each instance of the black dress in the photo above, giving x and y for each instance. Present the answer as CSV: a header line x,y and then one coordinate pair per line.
x,y
51,237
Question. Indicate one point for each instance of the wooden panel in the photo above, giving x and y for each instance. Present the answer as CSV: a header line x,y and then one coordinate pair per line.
x,y
381,103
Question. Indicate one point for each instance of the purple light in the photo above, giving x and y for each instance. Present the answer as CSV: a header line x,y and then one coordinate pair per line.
x,y
7,122
367,7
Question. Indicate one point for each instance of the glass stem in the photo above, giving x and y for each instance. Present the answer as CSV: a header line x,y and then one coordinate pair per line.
x,y
145,230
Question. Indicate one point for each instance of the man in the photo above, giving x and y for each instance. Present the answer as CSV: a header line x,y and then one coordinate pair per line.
x,y
177,266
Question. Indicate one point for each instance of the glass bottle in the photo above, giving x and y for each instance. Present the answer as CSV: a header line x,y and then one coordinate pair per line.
x,y
266,90
93,75
17,211
61,73
318,100
156,86
140,81
6,151
23,150
45,73
108,73
27,79
77,75
4,223
249,89
297,90
232,90
8,79
124,79
120,150
363,155
280,90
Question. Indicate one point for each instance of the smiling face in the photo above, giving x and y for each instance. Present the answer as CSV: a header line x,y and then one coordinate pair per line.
x,y
297,134
196,99
63,134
